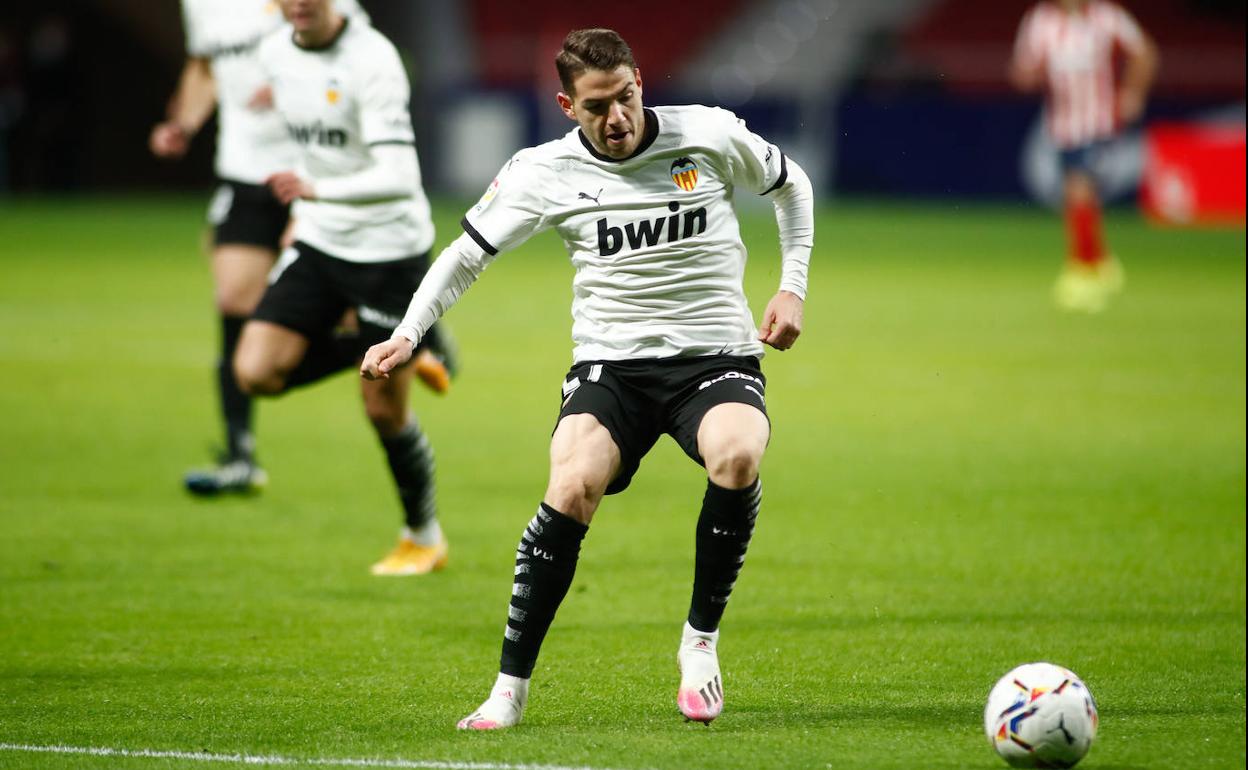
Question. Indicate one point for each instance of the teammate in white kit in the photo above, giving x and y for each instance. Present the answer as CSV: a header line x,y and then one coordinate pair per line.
x,y
1068,47
362,238
665,342
222,72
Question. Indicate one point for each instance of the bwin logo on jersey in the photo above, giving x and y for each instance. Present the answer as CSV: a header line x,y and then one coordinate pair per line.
x,y
685,174
224,50
318,133
649,232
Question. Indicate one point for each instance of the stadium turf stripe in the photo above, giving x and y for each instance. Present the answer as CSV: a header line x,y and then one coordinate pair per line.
x,y
269,759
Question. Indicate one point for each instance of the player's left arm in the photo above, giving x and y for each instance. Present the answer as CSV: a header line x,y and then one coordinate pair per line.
x,y
1141,66
385,126
759,165
1027,64
795,216
393,173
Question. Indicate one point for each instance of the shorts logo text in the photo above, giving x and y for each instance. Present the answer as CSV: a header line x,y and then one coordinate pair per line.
x,y
733,376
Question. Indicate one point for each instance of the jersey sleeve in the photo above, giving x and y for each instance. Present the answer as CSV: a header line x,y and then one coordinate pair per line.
x,y
754,163
1126,29
195,46
385,101
1028,48
512,210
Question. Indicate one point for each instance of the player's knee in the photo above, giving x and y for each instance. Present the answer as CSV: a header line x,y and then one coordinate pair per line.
x,y
387,416
234,304
732,462
575,493
1080,190
255,378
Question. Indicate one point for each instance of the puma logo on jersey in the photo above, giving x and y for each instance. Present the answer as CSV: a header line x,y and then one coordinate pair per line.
x,y
651,232
318,133
588,197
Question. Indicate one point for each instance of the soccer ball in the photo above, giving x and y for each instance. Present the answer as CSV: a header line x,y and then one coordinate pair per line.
x,y
1040,715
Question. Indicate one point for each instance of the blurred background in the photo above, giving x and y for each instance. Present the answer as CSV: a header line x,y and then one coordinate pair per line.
x,y
841,85
962,478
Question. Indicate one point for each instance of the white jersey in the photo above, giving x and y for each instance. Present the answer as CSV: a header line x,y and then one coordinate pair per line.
x,y
1076,50
251,143
654,238
338,101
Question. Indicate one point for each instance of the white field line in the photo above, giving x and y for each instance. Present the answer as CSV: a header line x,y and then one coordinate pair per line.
x,y
250,759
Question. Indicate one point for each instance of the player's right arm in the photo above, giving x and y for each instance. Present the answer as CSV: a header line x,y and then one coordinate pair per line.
x,y
189,108
1027,63
512,210
456,268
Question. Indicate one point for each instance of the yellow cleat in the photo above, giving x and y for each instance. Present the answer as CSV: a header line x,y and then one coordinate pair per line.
x,y
409,558
432,371
1080,288
1109,272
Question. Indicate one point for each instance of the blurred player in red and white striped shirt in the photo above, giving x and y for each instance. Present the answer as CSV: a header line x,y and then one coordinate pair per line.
x,y
1068,48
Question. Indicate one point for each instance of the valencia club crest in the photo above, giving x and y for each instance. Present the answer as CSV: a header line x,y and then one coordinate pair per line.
x,y
685,173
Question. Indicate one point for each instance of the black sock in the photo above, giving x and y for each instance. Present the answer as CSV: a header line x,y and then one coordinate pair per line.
x,y
325,356
235,404
411,464
724,530
545,563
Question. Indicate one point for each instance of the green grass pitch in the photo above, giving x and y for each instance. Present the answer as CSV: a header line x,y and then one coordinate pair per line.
x,y
960,479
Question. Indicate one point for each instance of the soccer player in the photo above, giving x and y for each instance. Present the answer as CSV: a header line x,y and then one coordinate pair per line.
x,y
665,342
223,73
1068,47
362,236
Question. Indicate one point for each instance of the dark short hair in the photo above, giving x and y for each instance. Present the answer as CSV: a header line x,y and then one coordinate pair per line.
x,y
585,49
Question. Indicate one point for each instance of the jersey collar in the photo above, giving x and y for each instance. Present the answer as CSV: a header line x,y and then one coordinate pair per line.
x,y
647,139
346,20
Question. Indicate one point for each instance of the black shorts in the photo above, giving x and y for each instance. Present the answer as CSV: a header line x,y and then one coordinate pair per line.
x,y
1084,158
639,400
247,214
309,291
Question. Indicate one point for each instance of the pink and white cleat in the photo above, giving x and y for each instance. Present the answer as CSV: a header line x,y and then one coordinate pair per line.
x,y
701,694
502,709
